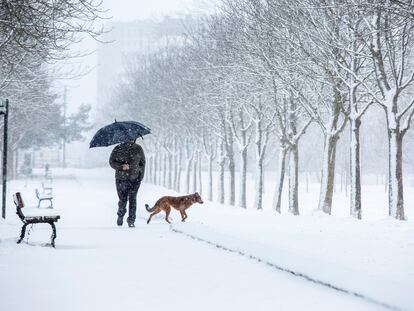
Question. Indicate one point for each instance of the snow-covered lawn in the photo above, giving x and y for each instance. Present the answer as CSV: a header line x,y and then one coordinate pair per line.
x,y
98,266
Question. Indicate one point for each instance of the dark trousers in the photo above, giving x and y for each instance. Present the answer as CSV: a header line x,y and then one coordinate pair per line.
x,y
127,191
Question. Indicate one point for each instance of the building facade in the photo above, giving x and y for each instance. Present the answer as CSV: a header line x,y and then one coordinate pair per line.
x,y
127,40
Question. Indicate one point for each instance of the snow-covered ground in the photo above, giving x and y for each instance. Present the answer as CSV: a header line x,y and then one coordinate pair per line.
x,y
98,266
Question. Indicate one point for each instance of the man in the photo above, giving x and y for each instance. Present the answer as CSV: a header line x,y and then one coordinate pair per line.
x,y
128,160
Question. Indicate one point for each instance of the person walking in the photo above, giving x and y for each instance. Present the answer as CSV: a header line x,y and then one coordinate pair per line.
x,y
128,161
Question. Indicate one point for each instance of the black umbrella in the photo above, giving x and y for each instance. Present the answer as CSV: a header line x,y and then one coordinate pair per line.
x,y
118,132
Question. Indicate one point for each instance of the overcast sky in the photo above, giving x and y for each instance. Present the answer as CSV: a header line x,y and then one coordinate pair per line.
x,y
84,90
126,10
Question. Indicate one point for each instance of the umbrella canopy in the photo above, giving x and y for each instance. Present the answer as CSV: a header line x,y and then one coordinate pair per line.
x,y
118,132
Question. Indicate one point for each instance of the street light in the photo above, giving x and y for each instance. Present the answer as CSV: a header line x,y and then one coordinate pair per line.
x,y
4,110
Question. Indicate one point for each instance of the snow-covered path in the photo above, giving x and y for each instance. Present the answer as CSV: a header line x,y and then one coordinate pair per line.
x,y
98,266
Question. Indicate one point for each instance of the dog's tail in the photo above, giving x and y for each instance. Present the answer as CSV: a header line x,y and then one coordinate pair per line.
x,y
150,210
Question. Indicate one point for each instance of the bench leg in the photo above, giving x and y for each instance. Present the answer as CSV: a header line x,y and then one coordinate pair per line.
x,y
22,234
38,204
50,201
53,234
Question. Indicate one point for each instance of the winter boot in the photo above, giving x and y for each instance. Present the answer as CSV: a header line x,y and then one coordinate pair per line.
x,y
131,225
120,220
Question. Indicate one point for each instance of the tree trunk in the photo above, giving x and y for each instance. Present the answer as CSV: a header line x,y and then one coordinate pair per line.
x,y
230,157
355,170
200,177
293,179
187,175
178,179
175,170
161,169
194,184
220,184
164,172
243,175
258,200
328,174
170,169
395,179
156,168
232,180
210,178
174,165
281,168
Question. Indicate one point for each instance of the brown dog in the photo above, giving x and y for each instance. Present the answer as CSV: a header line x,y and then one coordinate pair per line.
x,y
179,203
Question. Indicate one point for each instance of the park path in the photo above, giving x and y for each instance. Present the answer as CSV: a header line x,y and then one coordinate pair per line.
x,y
99,266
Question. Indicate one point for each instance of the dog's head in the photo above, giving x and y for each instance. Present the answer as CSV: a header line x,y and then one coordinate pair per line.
x,y
197,198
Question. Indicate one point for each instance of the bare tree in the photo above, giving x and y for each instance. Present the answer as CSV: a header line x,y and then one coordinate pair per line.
x,y
391,49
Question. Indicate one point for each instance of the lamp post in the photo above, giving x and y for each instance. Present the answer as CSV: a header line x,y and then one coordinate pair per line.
x,y
5,112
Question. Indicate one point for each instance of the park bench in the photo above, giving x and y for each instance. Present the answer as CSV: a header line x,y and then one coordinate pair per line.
x,y
47,188
27,220
44,197
48,178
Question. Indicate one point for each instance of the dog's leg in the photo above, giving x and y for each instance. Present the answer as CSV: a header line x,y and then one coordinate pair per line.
x,y
152,214
185,216
167,213
182,215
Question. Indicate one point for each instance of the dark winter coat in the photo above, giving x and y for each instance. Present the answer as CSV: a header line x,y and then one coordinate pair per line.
x,y
131,154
